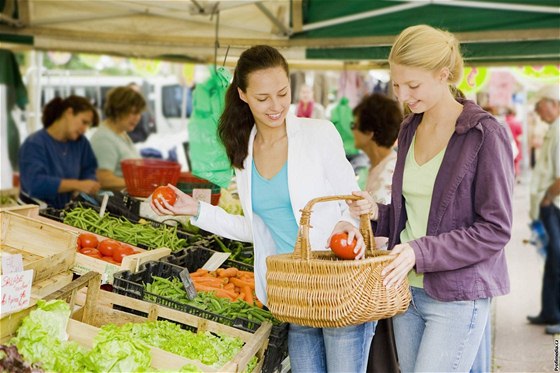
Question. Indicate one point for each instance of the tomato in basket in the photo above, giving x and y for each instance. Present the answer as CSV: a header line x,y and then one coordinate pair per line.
x,y
339,245
87,240
165,193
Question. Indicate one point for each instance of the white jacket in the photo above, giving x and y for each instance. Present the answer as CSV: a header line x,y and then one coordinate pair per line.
x,y
317,167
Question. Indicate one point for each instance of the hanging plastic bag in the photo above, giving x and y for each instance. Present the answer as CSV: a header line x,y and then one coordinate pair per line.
x,y
208,159
342,117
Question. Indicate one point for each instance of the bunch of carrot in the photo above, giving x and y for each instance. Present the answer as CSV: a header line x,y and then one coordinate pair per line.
x,y
231,283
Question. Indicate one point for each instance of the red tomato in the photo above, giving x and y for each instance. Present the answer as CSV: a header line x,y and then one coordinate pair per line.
x,y
121,252
339,245
91,251
166,193
87,240
108,247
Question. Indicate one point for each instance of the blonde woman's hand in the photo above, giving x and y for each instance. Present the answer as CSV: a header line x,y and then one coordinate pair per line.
x,y
353,234
366,205
404,260
184,205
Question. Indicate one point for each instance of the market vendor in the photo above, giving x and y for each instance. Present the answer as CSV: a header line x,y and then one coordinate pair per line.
x,y
58,161
111,143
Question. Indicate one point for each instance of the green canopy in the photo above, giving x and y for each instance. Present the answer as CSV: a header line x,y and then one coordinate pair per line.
x,y
495,31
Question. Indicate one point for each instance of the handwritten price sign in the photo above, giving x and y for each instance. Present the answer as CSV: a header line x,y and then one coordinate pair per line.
x,y
15,290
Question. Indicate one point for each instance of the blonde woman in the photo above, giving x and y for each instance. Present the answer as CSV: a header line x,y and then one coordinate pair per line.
x,y
451,207
111,143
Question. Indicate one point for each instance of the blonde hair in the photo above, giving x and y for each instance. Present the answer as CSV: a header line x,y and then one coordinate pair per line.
x,y
428,48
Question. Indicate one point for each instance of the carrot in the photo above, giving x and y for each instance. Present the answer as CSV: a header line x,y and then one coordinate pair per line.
x,y
245,273
199,272
229,286
210,281
228,272
258,303
248,295
217,292
241,283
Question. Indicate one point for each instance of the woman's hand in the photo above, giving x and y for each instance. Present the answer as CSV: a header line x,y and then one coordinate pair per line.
x,y
353,234
366,205
184,205
404,260
88,186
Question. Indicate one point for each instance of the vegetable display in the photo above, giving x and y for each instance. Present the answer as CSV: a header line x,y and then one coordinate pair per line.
x,y
42,339
123,230
208,300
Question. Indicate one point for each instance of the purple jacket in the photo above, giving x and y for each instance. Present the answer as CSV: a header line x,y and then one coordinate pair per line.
x,y
462,255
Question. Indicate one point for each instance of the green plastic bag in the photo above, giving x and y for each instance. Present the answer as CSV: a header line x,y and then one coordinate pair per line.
x,y
206,152
342,117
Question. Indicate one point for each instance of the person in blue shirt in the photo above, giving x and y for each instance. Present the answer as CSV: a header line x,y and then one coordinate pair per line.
x,y
58,161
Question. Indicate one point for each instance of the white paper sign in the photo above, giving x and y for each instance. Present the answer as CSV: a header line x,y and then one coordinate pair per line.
x,y
15,291
204,195
11,263
215,261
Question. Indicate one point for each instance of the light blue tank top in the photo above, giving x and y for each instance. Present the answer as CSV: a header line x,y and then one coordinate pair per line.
x,y
271,202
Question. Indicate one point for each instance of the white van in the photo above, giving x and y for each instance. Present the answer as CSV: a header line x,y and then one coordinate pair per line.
x,y
169,105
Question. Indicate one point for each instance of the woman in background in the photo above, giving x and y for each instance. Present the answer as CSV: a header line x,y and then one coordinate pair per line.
x,y
57,161
111,143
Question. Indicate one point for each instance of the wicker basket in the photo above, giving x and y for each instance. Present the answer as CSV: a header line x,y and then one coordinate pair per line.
x,y
315,288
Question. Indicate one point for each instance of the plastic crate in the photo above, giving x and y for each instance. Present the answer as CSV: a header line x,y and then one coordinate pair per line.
x,y
132,285
143,176
187,182
195,256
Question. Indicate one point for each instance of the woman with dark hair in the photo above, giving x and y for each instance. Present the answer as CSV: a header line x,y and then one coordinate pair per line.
x,y
111,143
57,161
281,163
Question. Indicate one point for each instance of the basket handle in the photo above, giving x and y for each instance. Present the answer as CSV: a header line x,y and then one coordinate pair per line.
x,y
302,249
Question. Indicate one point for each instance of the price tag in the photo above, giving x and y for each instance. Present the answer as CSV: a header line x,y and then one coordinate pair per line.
x,y
185,277
15,291
204,195
215,261
11,263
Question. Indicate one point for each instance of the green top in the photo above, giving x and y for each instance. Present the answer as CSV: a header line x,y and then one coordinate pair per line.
x,y
110,149
418,186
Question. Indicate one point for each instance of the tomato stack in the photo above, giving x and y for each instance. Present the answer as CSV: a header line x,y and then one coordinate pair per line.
x,y
109,250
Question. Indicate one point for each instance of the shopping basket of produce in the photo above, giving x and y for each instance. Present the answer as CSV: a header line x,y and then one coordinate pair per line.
x,y
315,288
143,176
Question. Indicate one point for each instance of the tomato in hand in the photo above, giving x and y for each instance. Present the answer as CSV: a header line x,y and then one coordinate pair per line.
x,y
339,245
108,247
165,193
121,252
87,240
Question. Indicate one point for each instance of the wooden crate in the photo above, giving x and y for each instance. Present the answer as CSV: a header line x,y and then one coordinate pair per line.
x,y
45,247
97,311
86,263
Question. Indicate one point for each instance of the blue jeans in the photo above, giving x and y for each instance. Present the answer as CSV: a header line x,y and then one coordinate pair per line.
x,y
550,296
435,336
483,361
334,350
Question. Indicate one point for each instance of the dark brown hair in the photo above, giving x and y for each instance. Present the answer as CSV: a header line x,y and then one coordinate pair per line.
x,y
236,121
122,101
381,115
54,109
